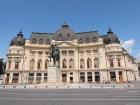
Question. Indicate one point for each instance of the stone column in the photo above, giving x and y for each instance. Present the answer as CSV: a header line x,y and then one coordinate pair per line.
x,y
34,78
117,76
85,60
125,75
93,77
42,77
68,77
10,78
86,77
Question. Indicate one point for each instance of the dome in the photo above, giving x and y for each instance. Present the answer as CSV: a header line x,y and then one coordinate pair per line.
x,y
65,33
19,40
111,38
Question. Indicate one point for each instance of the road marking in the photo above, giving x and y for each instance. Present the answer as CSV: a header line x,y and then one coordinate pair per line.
x,y
133,91
24,99
125,96
57,94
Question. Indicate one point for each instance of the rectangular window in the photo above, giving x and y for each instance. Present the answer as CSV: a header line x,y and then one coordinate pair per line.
x,y
89,77
64,78
82,77
71,79
9,65
119,63
120,76
71,52
7,79
16,65
113,76
97,77
71,73
45,77
111,63
31,78
64,53
15,78
38,78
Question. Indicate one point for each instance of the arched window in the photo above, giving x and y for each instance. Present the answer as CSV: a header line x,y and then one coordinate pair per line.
x,y
94,39
39,65
71,63
96,63
80,40
48,41
64,62
89,63
46,64
119,63
111,63
34,41
40,42
87,40
82,64
19,43
32,64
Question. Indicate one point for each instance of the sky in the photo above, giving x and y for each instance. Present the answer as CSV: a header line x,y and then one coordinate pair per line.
x,y
123,16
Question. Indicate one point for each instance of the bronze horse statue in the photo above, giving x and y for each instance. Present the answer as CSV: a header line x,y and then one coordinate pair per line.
x,y
55,54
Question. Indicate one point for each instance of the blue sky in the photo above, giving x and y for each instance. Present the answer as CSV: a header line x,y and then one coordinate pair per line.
x,y
123,16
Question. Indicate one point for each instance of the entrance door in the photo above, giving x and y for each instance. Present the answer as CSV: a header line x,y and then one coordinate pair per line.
x,y
64,78
97,77
71,79
120,76
113,76
89,77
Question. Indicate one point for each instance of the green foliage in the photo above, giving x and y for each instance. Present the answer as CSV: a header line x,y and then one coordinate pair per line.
x,y
2,66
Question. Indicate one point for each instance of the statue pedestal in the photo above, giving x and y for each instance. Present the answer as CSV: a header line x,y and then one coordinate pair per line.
x,y
53,75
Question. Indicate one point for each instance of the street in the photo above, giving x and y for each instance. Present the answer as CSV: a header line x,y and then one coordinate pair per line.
x,y
112,96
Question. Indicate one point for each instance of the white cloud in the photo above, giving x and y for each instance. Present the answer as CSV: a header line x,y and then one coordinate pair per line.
x,y
128,45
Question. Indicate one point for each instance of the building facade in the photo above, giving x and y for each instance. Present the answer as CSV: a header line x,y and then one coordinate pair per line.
x,y
85,57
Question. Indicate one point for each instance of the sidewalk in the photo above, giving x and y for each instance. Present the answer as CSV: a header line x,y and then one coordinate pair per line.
x,y
67,86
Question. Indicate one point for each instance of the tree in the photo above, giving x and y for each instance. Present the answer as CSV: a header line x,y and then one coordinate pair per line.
x,y
139,68
2,66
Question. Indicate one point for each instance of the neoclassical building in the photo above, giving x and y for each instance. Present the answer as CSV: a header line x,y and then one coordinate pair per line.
x,y
85,57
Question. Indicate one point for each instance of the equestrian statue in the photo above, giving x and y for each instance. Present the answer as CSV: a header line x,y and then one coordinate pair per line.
x,y
54,54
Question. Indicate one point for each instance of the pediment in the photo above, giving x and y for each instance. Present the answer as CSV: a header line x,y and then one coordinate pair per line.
x,y
66,44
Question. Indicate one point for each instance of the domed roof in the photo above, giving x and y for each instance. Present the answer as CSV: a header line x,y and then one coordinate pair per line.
x,y
65,33
19,40
111,38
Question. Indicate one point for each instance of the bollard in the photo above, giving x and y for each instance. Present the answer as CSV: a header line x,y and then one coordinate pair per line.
x,y
124,86
113,86
3,86
46,86
24,86
14,86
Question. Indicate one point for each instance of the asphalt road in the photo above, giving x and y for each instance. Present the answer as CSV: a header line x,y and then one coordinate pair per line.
x,y
70,96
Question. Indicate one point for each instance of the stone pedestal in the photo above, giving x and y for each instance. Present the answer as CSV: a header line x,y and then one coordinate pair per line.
x,y
53,75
